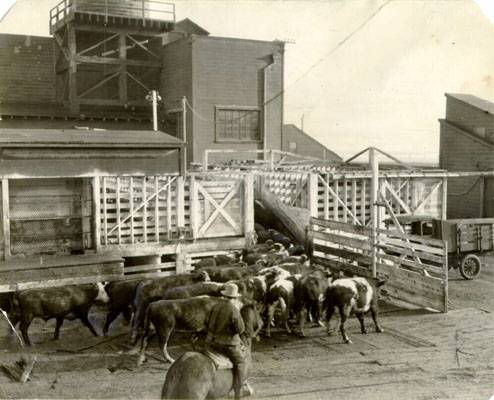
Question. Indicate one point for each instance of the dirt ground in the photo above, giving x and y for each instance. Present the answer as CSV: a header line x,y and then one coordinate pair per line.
x,y
421,355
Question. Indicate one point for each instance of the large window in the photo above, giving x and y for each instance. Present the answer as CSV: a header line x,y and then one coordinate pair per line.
x,y
237,124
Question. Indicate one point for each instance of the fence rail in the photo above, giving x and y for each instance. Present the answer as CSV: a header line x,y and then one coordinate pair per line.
x,y
139,9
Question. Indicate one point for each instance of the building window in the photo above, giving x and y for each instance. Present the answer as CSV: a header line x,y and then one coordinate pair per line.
x,y
292,147
237,124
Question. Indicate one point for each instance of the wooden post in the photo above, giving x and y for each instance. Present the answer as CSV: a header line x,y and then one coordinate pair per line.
x,y
194,204
119,231
144,213
131,192
157,210
122,87
249,209
96,213
374,165
271,160
312,186
105,213
6,217
72,77
444,199
445,277
205,161
180,205
336,211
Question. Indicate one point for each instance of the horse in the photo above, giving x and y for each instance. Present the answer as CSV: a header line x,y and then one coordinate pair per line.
x,y
195,376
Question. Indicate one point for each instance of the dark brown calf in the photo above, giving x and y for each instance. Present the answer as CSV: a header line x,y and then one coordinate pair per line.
x,y
149,291
61,303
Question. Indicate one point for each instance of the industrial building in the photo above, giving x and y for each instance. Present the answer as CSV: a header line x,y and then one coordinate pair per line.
x,y
467,144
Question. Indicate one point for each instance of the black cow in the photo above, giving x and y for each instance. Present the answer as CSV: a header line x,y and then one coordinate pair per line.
x,y
121,294
61,303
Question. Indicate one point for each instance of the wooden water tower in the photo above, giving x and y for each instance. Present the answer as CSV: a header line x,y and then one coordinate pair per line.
x,y
108,51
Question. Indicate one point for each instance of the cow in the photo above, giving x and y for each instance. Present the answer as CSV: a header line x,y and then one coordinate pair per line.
x,y
121,294
281,294
309,293
262,233
225,274
358,295
296,250
61,303
278,237
182,314
149,291
196,289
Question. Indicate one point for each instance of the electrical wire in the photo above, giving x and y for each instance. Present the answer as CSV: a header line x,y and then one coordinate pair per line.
x,y
467,191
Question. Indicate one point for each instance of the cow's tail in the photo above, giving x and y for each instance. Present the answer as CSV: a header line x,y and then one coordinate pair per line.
x,y
137,314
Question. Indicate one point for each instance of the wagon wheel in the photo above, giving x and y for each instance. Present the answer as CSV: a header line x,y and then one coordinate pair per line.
x,y
470,266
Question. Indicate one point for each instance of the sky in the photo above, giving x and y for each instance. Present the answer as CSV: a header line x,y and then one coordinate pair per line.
x,y
359,72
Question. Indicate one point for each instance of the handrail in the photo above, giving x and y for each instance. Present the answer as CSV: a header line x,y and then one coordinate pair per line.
x,y
141,9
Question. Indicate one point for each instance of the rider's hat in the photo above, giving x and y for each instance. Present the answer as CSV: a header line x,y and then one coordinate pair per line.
x,y
230,290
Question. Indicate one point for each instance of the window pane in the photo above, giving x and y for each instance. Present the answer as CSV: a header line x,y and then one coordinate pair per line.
x,y
237,124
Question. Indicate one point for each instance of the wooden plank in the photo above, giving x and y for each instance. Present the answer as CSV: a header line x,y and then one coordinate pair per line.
x,y
344,240
349,255
249,206
399,242
413,238
335,199
119,216
131,206
345,200
58,282
148,267
6,218
402,251
194,206
156,210
436,270
349,269
362,203
169,211
341,226
105,211
96,201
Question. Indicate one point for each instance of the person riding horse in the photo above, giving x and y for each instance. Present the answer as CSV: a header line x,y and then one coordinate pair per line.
x,y
224,327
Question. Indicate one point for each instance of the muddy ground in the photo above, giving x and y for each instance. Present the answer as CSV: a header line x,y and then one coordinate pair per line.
x,y
421,355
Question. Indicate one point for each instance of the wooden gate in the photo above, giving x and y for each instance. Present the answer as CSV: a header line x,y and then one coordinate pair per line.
x,y
217,205
416,267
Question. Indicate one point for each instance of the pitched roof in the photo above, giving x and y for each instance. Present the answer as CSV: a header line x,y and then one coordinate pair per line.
x,y
188,26
87,138
294,129
477,102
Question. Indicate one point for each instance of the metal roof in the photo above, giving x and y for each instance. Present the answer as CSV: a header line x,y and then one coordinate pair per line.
x,y
86,138
482,104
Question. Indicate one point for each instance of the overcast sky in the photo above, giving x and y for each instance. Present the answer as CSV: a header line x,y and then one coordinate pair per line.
x,y
361,72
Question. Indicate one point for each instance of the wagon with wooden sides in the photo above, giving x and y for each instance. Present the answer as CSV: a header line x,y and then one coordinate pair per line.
x,y
466,238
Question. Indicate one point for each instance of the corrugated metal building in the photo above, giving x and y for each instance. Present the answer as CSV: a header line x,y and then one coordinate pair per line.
x,y
467,144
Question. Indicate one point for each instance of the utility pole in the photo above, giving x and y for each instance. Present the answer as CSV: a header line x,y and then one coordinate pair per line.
x,y
153,97
184,129
302,122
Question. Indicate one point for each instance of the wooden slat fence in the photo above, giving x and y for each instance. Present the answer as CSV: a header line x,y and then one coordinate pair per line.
x,y
347,199
416,267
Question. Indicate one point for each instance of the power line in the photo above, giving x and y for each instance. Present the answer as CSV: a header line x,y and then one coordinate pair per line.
x,y
333,50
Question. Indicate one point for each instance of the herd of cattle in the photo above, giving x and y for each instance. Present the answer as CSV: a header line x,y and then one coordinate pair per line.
x,y
273,274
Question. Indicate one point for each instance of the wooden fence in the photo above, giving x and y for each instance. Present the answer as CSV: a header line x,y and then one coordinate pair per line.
x,y
346,196
416,267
